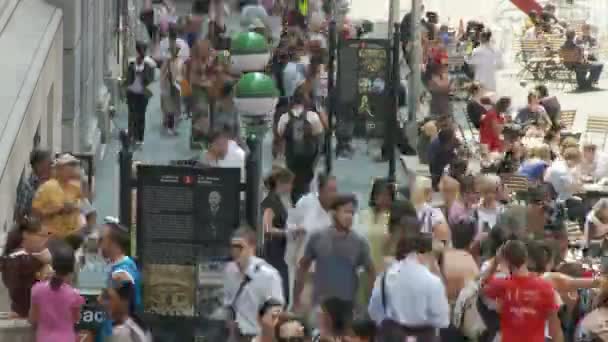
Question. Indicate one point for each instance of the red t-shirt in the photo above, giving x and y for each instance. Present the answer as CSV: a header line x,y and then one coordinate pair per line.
x,y
487,135
525,304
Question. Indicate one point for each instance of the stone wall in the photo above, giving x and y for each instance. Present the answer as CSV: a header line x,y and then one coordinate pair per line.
x,y
31,93
12,330
88,55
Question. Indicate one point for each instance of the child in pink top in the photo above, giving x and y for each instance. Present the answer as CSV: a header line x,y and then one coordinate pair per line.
x,y
56,304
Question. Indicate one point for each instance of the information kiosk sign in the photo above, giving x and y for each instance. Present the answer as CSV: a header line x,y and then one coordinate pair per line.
x,y
366,64
185,217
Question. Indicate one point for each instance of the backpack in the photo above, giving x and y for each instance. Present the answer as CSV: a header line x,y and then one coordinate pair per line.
x,y
472,316
301,144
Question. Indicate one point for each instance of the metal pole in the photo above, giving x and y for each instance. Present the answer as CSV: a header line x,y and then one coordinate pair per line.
x,y
393,16
125,36
414,59
331,101
415,81
117,29
253,170
125,167
392,123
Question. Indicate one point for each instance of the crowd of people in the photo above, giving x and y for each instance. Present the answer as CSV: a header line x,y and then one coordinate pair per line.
x,y
477,266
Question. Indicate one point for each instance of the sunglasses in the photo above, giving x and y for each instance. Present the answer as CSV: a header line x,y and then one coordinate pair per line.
x,y
237,246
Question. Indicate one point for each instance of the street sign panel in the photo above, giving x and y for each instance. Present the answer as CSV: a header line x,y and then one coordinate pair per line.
x,y
363,86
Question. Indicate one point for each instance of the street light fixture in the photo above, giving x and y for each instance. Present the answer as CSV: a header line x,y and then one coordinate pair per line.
x,y
249,51
256,97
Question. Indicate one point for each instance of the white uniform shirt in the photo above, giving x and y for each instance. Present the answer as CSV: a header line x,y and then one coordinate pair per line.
x,y
486,61
415,297
265,283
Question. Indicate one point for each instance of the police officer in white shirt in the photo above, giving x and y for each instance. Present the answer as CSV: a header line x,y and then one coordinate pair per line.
x,y
408,300
248,282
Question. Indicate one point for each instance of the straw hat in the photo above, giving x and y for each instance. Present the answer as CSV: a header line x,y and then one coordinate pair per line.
x,y
66,159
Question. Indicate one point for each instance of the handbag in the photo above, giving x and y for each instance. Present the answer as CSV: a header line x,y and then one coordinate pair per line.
x,y
186,88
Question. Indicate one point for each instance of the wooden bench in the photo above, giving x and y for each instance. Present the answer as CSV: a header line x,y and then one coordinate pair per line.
x,y
597,125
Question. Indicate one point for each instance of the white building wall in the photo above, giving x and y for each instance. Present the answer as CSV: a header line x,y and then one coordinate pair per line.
x,y
40,86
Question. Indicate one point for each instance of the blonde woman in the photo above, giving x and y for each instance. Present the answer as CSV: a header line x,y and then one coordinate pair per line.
x,y
428,216
489,207
453,208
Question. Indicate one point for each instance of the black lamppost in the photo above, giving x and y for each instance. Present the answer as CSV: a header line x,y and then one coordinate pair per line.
x,y
125,177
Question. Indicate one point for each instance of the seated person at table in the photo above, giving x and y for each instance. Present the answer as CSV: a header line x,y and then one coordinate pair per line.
x,y
492,125
475,106
533,169
587,72
533,112
596,222
588,162
565,178
550,103
587,40
594,164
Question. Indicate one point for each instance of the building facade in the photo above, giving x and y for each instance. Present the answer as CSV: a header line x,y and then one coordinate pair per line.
x,y
31,88
60,56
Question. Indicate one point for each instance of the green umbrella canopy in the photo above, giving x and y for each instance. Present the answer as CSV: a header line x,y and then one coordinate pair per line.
x,y
256,85
248,43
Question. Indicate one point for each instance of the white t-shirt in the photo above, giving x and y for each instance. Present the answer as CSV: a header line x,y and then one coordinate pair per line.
x,y
312,117
235,157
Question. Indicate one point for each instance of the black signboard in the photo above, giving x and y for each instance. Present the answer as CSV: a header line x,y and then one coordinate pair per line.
x,y
185,213
363,79
185,217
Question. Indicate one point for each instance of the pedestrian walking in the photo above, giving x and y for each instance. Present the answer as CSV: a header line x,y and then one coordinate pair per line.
x,y
301,129
140,74
248,283
170,86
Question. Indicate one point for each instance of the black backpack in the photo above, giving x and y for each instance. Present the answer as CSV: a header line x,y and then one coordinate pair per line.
x,y
301,144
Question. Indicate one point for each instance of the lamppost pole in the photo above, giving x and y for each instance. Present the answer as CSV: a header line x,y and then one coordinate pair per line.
x,y
393,16
415,62
393,124
331,93
125,167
